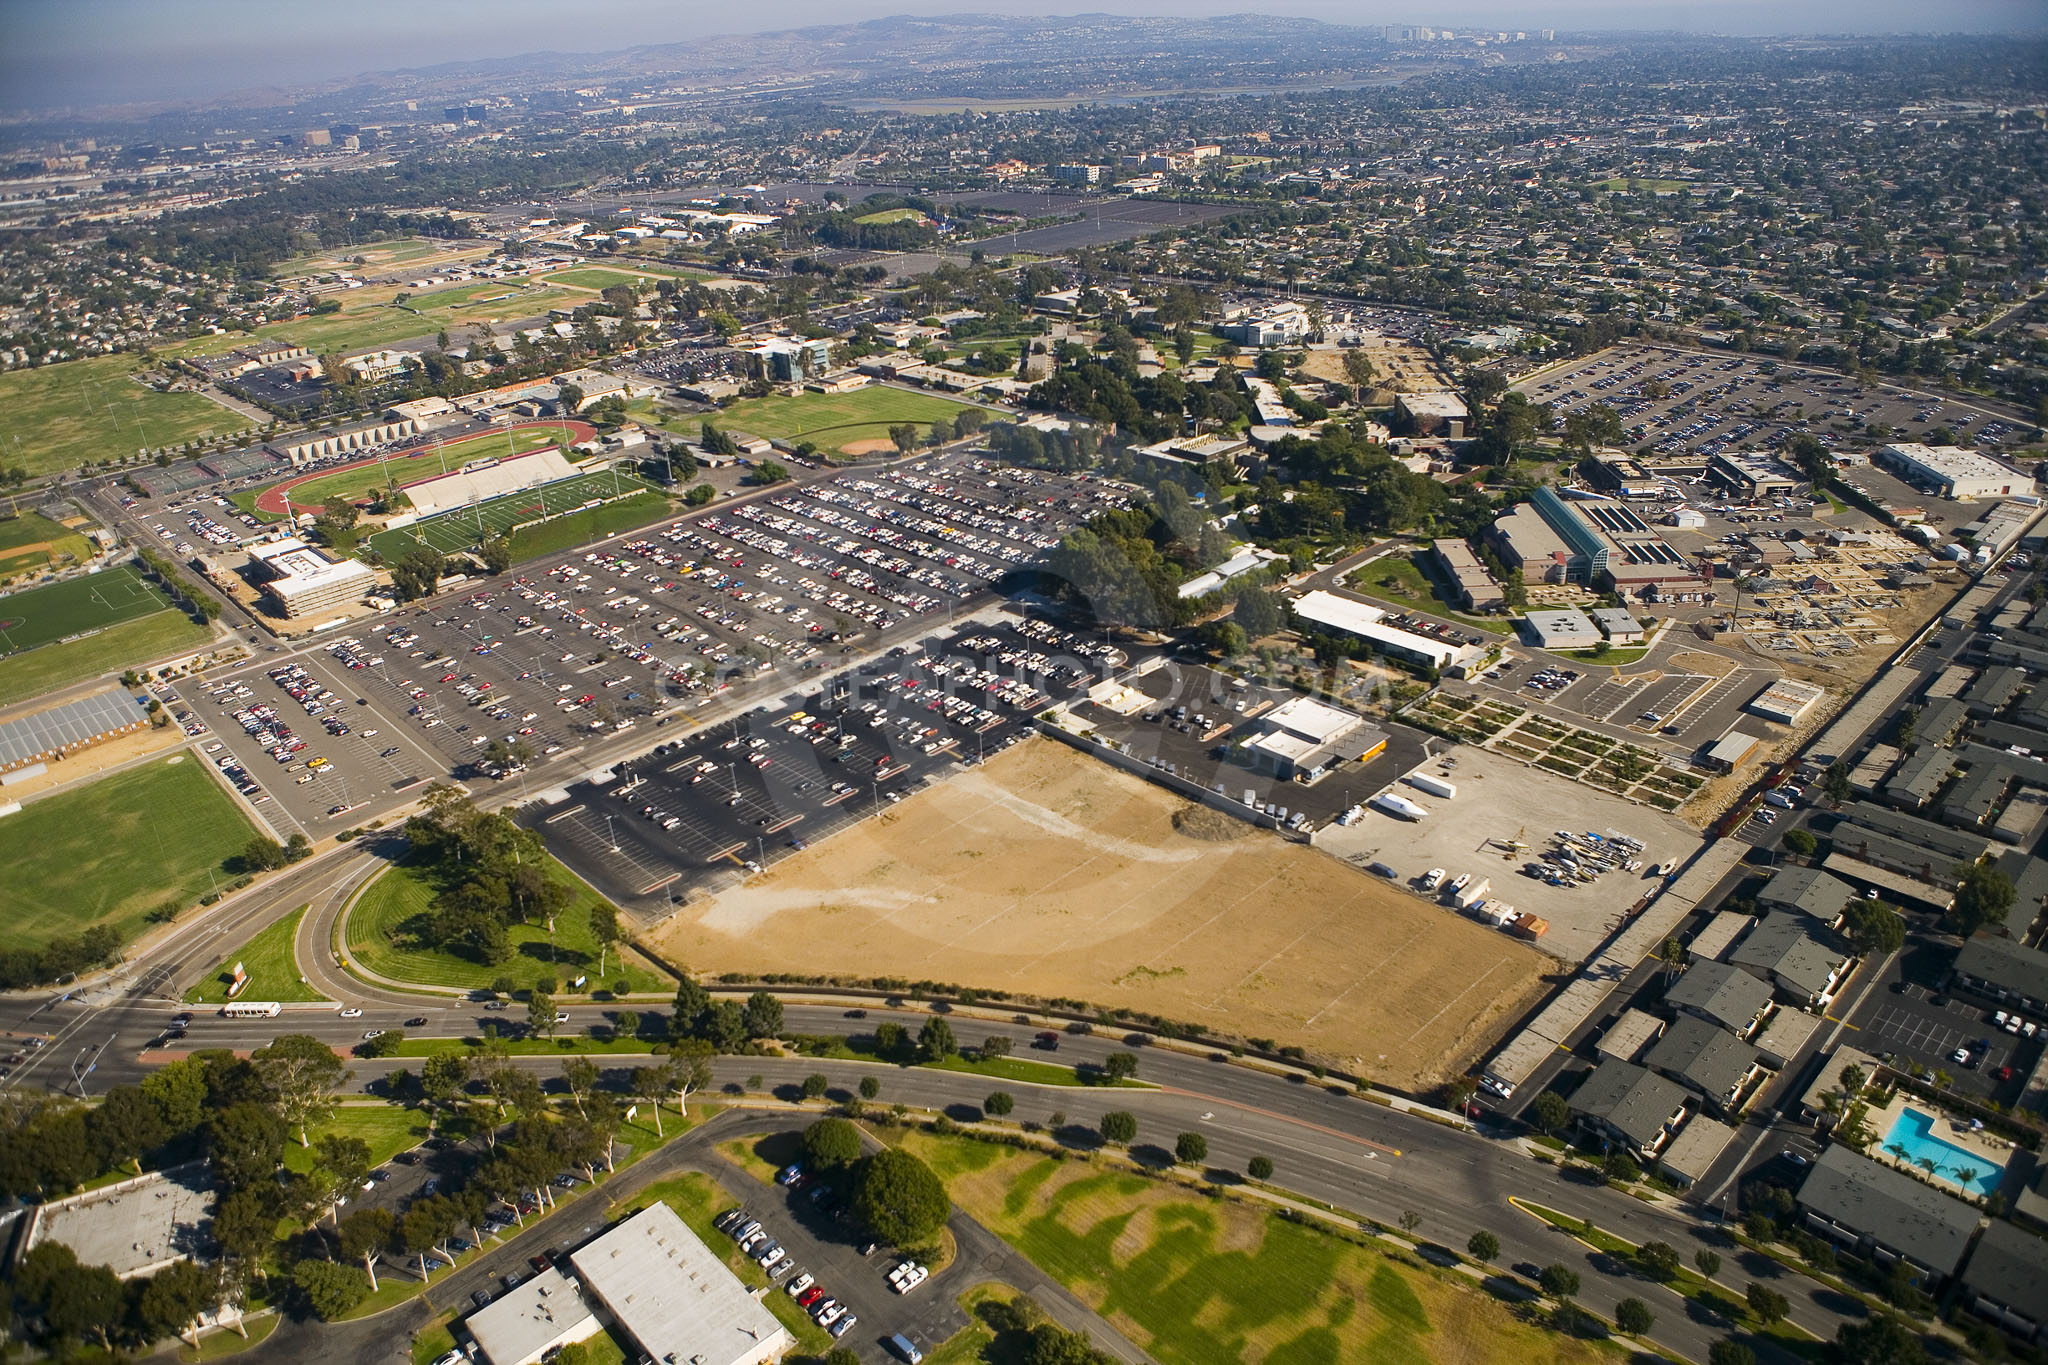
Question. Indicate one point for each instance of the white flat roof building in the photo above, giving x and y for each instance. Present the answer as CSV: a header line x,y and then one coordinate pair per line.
x,y
1328,610
1567,629
302,580
531,1319
1786,701
675,1297
1953,471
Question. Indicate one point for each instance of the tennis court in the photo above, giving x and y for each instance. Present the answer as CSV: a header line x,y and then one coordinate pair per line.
x,y
40,615
460,529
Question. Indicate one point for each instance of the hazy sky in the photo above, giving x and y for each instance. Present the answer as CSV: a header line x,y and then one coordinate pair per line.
x,y
56,52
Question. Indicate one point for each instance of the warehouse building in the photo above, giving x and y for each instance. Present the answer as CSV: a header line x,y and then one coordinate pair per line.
x,y
1566,629
1952,471
1303,740
1752,476
301,580
1786,701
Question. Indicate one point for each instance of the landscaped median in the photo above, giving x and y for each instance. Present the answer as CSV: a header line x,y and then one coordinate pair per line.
x,y
272,967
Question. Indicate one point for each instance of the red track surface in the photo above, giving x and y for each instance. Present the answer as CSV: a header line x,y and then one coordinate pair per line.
x,y
275,499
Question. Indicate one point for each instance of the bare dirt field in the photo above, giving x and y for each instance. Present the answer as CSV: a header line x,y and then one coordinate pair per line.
x,y
1403,366
1045,873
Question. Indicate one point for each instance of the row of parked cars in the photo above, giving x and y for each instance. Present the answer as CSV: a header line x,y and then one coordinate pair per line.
x,y
759,1245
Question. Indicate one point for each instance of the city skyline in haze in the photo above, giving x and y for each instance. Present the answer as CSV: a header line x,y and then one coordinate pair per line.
x,y
88,53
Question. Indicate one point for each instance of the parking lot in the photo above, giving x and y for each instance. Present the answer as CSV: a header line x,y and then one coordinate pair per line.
x,y
1672,707
1502,823
740,793
1907,1022
1691,403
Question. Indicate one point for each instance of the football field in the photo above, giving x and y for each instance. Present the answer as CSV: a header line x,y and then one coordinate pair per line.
x,y
458,530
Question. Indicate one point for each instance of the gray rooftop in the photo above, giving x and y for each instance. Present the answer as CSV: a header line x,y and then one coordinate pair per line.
x,y
1793,949
2007,964
1889,1207
75,722
2011,1267
1808,889
1705,1056
1632,1100
1723,993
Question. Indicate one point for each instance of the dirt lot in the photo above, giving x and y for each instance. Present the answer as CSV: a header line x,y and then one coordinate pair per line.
x,y
1403,366
1049,874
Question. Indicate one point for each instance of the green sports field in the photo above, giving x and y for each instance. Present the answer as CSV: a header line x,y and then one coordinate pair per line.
x,y
410,467
368,317
605,276
458,530
84,410
112,850
38,616
834,421
37,671
32,541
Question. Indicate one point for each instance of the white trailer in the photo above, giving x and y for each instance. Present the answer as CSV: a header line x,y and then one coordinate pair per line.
x,y
1435,786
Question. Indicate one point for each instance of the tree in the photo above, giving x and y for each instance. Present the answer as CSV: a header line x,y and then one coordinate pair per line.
x,y
1560,1282
1633,1317
996,1045
1769,1306
1984,897
903,435
1359,369
935,1042
998,1104
1659,1260
261,854
579,1077
691,1004
329,1288
174,1297
1801,842
727,1026
302,1073
364,1236
869,1087
385,1044
1620,1166
830,1144
339,1165
1119,1066
1118,1126
689,1068
1482,1246
540,1013
1835,784
1550,1112
763,1015
496,552
891,1041
815,1085
1874,927
899,1198
768,471
82,1300
1410,1220
1191,1149
1879,1340
1726,1352
1707,1262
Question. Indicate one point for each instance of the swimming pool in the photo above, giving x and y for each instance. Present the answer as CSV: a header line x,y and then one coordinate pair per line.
x,y
1913,1134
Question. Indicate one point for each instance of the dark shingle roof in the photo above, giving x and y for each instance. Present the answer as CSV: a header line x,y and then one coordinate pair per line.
x,y
1721,992
1703,1055
2011,1267
1633,1100
1889,1207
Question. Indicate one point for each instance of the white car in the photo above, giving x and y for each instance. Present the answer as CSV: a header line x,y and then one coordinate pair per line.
x,y
351,1013
802,1282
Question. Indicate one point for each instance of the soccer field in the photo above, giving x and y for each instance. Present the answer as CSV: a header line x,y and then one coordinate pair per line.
x,y
458,530
40,615
605,276
836,422
115,848
91,409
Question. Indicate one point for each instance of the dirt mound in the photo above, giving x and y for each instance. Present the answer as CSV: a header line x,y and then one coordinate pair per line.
x,y
872,446
1200,822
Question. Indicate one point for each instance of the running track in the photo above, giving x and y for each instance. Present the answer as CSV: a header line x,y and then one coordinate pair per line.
x,y
273,499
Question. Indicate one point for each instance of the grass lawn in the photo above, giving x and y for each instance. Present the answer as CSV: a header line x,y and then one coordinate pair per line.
x,y
217,1344
1191,1279
1636,186
761,1157
833,421
113,849
1399,580
1022,1069
590,524
976,1343
82,410
377,936
889,216
32,541
457,530
132,642
698,1202
605,276
366,323
273,969
388,1130
566,1046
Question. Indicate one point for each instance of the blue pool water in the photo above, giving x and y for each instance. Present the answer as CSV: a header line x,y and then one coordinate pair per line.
x,y
1914,1131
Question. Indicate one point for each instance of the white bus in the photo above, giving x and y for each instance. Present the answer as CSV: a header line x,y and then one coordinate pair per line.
x,y
252,1009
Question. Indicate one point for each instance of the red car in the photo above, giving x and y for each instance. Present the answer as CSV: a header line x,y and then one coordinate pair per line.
x,y
447,677
811,1295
